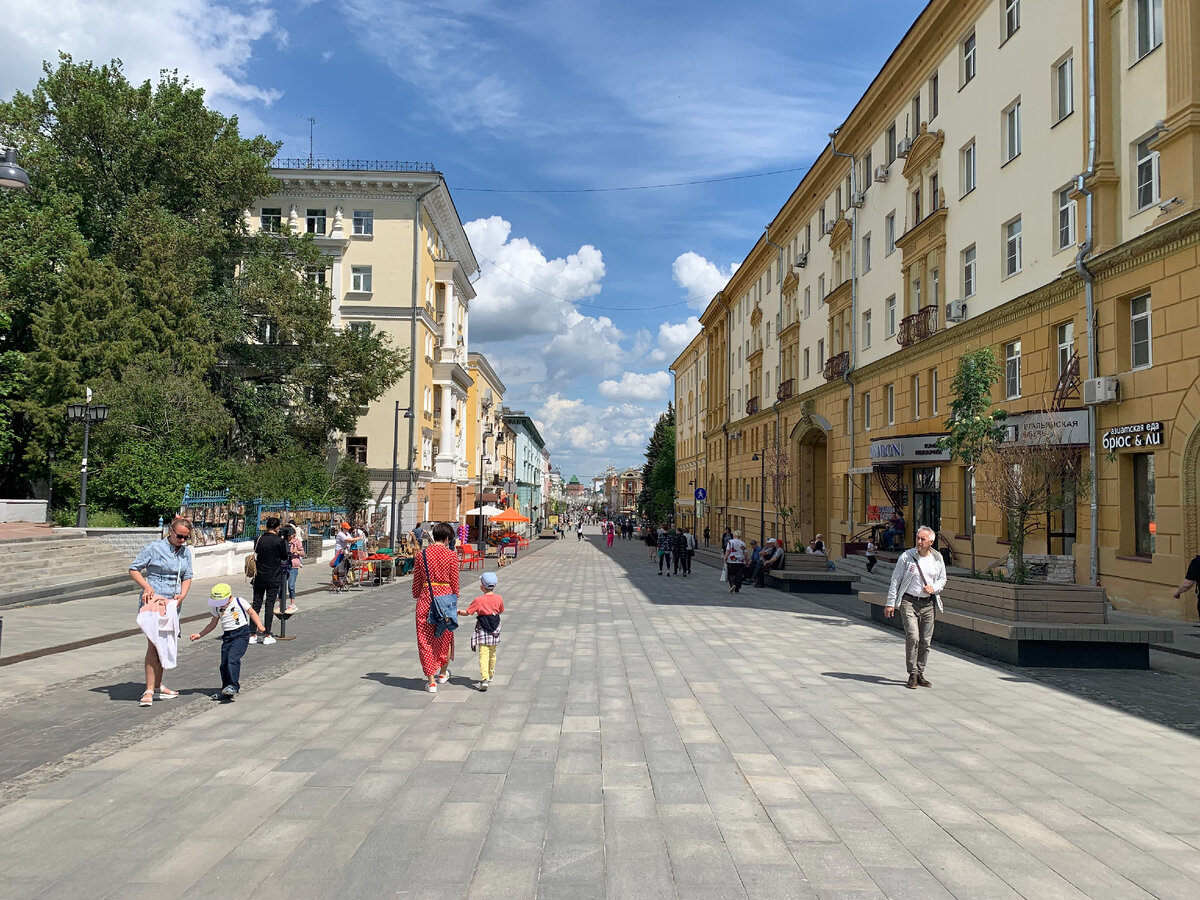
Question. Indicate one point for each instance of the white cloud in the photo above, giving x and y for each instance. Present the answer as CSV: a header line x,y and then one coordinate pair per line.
x,y
700,278
210,42
584,438
636,386
672,339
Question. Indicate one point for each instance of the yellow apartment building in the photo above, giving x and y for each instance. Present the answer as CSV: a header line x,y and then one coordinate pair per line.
x,y
398,260
1021,175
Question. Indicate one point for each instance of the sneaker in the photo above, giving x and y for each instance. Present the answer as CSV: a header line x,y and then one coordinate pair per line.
x,y
483,685
443,677
431,688
229,691
267,639
291,609
253,639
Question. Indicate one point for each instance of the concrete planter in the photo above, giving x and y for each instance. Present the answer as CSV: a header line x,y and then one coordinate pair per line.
x,y
1055,603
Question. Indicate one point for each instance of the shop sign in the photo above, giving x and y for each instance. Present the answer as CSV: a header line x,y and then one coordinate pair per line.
x,y
873,515
1129,437
1068,428
910,449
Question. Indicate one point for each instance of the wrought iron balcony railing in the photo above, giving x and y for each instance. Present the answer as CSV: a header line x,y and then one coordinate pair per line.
x,y
785,389
920,325
837,366
751,406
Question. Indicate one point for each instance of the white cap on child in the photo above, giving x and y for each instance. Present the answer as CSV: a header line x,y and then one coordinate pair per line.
x,y
488,579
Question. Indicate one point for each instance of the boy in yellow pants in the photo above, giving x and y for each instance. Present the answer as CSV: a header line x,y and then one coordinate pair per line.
x,y
486,608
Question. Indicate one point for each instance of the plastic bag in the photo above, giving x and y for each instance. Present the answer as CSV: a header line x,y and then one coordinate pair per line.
x,y
724,572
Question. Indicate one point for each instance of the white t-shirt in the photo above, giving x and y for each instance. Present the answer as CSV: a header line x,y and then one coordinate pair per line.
x,y
233,614
735,551
929,568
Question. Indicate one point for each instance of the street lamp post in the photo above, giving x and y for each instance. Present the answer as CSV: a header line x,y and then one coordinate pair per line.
x,y
12,176
87,414
761,456
408,414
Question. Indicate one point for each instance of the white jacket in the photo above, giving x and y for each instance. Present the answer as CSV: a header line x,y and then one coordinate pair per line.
x,y
906,580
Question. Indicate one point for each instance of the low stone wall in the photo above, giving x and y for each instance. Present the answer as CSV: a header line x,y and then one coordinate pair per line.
x,y
129,541
212,561
1051,569
23,511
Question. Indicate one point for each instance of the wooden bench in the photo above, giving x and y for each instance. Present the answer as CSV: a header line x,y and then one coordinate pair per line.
x,y
1075,645
809,573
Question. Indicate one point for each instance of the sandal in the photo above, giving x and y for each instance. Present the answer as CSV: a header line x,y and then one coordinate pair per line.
x,y
165,694
147,699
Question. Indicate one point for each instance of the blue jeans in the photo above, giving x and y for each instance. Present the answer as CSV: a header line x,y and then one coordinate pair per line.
x,y
291,583
233,647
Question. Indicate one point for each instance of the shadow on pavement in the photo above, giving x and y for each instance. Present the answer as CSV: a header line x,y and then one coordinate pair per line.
x,y
870,679
398,681
128,691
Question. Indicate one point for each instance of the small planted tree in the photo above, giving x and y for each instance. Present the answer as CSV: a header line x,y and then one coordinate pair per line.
x,y
974,428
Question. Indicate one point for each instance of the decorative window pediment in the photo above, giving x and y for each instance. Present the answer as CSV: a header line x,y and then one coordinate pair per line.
x,y
927,146
840,234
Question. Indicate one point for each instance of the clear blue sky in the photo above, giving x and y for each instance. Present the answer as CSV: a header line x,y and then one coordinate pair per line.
x,y
541,115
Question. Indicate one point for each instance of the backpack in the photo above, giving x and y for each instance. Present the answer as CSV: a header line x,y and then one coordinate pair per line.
x,y
251,566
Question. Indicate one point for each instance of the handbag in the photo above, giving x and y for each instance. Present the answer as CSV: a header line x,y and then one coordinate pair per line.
x,y
724,571
437,615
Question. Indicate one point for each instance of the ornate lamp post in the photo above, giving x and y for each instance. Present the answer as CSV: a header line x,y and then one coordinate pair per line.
x,y
761,456
87,414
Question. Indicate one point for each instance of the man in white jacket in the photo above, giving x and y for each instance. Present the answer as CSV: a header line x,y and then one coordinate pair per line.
x,y
917,582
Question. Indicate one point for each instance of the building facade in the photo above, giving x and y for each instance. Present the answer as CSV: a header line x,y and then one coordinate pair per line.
x,y
399,262
1021,176
532,464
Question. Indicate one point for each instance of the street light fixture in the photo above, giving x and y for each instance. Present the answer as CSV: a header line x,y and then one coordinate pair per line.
x,y
12,176
761,457
87,414
408,414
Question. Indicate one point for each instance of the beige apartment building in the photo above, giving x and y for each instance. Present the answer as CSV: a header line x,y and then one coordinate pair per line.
x,y
399,261
1020,175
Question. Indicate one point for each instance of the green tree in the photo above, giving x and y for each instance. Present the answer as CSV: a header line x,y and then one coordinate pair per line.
x,y
973,428
657,497
351,485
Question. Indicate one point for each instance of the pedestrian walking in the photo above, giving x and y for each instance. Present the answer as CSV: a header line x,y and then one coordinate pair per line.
x,y
295,563
726,537
435,574
871,558
271,556
486,608
235,617
665,542
163,570
651,540
1191,580
682,551
705,537
579,531
735,562
917,582
610,533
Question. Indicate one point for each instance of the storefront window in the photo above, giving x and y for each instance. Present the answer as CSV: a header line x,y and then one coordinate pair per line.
x,y
1143,508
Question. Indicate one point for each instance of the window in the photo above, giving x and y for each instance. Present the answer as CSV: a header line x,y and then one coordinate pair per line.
x,y
935,286
868,172
1143,500
362,329
1012,18
807,370
1012,370
933,392
889,306
889,234
866,329
820,291
866,253
916,397
1064,89
1012,247
891,404
270,218
807,302
314,221
968,57
968,270
1066,218
360,279
821,353
966,166
1011,128
916,206
866,408
1139,332
1147,174
315,275
1065,338
890,140
268,331
933,192
933,96
364,221
356,449
916,114
1147,25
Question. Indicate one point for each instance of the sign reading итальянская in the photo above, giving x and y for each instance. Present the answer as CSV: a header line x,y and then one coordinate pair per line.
x,y
1128,437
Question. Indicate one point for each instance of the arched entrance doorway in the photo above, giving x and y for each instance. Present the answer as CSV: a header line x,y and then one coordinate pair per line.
x,y
810,479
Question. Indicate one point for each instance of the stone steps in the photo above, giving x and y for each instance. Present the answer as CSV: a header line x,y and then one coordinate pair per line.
x,y
60,567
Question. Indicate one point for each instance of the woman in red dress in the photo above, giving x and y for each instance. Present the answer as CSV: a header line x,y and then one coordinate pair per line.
x,y
442,574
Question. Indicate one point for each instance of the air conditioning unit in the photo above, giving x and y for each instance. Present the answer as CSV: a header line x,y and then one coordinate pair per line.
x,y
881,173
857,199
1097,391
801,260
828,227
903,147
956,310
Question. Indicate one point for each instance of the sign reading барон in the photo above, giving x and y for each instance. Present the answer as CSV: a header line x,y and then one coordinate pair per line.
x,y
1130,437
908,449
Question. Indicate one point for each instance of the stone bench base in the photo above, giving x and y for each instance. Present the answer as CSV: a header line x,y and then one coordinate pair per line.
x,y
1058,645
822,582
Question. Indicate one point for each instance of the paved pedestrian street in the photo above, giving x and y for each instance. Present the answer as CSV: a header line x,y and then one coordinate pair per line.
x,y
644,737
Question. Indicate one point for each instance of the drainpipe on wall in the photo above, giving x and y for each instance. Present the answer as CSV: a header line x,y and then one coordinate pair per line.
x,y
1089,296
853,314
779,351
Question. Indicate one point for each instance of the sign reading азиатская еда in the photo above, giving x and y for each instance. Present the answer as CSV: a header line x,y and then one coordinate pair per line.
x,y
1129,437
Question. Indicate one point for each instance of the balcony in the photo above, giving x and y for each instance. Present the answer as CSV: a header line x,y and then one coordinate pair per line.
x,y
837,366
751,406
785,389
920,325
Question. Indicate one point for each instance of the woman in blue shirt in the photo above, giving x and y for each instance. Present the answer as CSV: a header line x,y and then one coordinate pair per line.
x,y
163,570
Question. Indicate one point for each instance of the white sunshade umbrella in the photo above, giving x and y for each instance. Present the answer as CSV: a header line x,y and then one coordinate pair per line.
x,y
485,511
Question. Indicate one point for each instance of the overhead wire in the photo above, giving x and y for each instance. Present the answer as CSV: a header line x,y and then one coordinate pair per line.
x,y
638,187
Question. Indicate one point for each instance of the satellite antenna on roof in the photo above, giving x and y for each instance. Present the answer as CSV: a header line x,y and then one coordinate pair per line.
x,y
311,123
